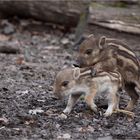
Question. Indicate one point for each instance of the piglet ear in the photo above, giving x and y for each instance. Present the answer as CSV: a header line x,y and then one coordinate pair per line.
x,y
102,42
76,73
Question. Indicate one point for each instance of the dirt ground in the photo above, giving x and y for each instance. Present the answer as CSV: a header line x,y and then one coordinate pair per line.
x,y
28,109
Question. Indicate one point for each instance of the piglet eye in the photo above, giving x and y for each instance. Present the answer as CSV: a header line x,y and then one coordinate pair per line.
x,y
88,52
65,83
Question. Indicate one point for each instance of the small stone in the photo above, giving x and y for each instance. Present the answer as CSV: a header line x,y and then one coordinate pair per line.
x,y
22,93
90,129
40,86
8,28
64,136
80,129
4,120
138,126
35,40
95,120
41,100
52,47
65,41
24,22
63,116
17,129
54,41
35,111
57,126
49,112
71,36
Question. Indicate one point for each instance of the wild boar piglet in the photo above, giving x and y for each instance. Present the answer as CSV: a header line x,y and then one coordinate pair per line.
x,y
112,54
74,82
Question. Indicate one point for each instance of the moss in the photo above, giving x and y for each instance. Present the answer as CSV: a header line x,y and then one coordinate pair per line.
x,y
97,5
119,4
82,97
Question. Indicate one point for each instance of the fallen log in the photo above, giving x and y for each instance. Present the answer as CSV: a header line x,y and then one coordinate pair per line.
x,y
66,12
9,47
118,25
115,18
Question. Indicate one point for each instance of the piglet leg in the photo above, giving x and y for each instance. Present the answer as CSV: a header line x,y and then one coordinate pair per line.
x,y
113,103
71,102
89,99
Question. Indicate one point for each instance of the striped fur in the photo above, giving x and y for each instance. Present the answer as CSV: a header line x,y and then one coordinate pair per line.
x,y
106,84
111,54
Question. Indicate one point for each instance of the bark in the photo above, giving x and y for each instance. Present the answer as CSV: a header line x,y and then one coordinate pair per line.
x,y
64,12
119,26
9,47
115,18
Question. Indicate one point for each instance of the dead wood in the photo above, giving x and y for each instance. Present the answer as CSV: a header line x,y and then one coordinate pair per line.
x,y
9,48
119,26
115,18
59,12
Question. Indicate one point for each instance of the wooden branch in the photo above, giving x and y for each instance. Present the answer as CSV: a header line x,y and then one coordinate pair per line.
x,y
118,25
9,47
131,114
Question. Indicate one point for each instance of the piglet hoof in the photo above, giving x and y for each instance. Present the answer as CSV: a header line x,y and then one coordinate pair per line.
x,y
66,111
130,106
94,108
107,113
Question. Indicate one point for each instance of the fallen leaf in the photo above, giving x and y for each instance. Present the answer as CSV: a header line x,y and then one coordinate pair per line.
x,y
35,111
17,129
29,122
86,129
65,41
20,60
64,136
90,129
4,37
5,120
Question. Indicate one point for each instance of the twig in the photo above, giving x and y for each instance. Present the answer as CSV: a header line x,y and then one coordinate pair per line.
x,y
129,113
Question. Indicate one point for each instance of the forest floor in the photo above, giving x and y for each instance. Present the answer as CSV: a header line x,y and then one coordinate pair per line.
x,y
28,109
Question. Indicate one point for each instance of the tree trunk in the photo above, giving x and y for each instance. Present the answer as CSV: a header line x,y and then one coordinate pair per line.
x,y
65,12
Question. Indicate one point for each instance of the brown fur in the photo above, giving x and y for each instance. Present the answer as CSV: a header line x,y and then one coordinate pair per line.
x,y
109,55
80,81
